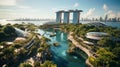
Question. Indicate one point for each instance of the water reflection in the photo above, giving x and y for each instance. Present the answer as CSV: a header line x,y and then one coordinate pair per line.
x,y
58,36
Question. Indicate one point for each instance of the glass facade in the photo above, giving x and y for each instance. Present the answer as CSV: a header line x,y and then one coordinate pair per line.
x,y
75,17
66,17
58,17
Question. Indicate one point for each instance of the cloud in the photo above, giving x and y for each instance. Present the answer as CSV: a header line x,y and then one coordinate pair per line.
x,y
76,5
61,8
112,14
13,15
23,7
89,13
13,3
118,14
8,2
105,7
54,9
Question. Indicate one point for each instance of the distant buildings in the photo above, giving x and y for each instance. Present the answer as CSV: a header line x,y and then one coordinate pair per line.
x,y
76,16
102,19
106,17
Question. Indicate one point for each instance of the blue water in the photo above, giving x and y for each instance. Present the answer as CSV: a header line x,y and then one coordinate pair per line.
x,y
113,24
60,57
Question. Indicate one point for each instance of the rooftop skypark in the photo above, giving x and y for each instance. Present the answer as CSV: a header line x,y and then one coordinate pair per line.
x,y
76,16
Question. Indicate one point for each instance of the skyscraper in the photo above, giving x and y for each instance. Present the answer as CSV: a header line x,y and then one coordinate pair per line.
x,y
66,17
76,17
106,17
58,16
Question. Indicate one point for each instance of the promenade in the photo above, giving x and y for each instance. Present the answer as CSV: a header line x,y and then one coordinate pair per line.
x,y
70,37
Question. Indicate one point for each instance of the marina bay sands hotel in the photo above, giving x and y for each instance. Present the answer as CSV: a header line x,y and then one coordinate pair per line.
x,y
66,16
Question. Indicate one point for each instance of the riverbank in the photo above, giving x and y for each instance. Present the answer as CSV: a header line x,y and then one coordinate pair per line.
x,y
70,37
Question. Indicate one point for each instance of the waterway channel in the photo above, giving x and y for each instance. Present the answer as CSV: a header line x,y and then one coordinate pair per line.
x,y
60,57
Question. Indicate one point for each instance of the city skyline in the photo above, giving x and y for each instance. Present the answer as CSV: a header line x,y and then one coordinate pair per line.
x,y
12,9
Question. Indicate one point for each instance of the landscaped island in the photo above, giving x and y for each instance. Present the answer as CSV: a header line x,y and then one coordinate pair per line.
x,y
103,49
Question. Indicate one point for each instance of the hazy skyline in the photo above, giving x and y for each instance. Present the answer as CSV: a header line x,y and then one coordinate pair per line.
x,y
11,9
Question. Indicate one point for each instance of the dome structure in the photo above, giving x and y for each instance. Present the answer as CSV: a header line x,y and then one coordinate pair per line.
x,y
96,35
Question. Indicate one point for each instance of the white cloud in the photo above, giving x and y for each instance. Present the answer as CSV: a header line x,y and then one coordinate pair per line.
x,y
54,9
76,5
12,3
118,14
23,7
8,2
112,14
105,7
14,15
89,13
57,9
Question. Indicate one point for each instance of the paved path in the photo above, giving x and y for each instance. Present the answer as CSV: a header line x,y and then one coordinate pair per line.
x,y
70,37
39,36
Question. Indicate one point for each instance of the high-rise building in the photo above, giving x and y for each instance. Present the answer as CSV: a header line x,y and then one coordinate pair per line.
x,y
66,17
93,19
58,16
106,18
118,19
101,19
76,17
114,19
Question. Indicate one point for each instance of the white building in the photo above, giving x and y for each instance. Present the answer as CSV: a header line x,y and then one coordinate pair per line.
x,y
96,35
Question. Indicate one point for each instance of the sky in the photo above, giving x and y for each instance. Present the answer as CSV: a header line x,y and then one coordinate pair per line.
x,y
45,9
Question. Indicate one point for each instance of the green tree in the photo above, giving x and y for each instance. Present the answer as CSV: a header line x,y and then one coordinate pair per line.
x,y
48,64
25,65
9,30
2,36
106,42
104,58
40,49
116,52
17,45
36,64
